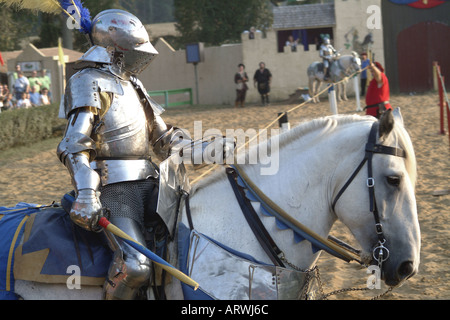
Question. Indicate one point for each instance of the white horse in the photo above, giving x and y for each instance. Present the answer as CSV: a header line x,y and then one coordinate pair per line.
x,y
316,159
340,68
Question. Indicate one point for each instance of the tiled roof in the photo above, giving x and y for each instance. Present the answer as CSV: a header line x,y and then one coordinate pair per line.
x,y
304,16
48,52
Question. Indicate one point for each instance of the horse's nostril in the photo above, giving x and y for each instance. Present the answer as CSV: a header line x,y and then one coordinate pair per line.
x,y
406,270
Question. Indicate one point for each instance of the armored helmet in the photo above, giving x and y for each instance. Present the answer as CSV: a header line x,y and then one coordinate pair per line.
x,y
125,38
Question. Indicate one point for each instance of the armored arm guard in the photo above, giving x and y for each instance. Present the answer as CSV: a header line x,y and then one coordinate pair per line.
x,y
75,151
198,153
167,140
321,52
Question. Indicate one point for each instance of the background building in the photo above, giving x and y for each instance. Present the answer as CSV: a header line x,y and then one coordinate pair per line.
x,y
406,39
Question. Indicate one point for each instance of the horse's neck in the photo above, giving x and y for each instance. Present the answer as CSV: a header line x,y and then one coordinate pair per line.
x,y
303,186
343,64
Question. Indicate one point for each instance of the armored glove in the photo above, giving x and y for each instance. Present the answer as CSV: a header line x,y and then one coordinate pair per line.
x,y
86,209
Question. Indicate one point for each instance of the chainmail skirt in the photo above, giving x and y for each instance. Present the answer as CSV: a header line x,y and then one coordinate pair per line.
x,y
135,200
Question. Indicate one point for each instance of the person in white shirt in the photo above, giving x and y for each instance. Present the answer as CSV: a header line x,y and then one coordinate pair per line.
x,y
24,102
44,96
21,85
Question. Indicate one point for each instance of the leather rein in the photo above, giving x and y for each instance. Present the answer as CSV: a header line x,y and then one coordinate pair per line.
x,y
244,189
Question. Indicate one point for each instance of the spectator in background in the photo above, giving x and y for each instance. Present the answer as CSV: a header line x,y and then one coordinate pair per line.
x,y
292,43
45,81
2,97
35,97
364,63
9,102
24,101
240,78
262,79
21,85
44,97
35,81
16,73
251,34
377,98
4,91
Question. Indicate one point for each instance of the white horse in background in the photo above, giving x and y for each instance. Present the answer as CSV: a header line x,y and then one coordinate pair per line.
x,y
340,68
315,160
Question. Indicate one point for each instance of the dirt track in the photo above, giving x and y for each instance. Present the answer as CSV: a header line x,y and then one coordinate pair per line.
x,y
42,179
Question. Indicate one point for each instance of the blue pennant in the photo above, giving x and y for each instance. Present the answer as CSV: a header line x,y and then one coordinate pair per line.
x,y
298,237
281,225
265,212
241,182
315,248
250,196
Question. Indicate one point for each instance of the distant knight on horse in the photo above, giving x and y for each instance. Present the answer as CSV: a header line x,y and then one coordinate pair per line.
x,y
327,53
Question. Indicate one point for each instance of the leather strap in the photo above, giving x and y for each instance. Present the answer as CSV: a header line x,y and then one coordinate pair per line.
x,y
253,220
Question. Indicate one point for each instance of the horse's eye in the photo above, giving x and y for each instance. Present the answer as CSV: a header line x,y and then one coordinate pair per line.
x,y
393,180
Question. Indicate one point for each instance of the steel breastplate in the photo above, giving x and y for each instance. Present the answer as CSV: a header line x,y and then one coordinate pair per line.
x,y
122,140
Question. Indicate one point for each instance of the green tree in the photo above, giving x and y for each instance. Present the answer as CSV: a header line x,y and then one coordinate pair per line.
x,y
216,21
14,26
50,30
150,11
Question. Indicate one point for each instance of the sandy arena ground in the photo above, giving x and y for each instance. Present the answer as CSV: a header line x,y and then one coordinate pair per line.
x,y
41,178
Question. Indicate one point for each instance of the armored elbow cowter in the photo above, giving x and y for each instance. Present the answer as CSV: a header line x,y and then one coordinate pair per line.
x,y
74,151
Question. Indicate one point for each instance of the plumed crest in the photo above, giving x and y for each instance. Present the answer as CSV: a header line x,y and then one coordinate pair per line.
x,y
71,8
75,8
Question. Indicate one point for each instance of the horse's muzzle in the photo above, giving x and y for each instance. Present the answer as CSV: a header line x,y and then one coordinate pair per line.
x,y
404,271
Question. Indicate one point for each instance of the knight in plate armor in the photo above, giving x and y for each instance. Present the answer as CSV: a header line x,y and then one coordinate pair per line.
x,y
112,127
327,53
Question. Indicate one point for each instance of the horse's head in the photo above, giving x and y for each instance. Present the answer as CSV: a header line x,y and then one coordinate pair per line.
x,y
379,205
355,62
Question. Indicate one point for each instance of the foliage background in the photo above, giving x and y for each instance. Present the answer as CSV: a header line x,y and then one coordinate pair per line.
x,y
213,22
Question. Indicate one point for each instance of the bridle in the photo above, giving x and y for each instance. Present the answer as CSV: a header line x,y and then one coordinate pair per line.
x,y
246,191
380,252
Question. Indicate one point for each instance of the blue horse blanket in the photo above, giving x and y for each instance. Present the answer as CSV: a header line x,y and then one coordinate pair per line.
x,y
51,244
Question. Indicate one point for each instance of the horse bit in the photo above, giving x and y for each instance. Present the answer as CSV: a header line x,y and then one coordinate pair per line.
x,y
380,252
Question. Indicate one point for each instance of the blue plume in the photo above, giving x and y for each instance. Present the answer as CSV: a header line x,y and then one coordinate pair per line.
x,y
85,19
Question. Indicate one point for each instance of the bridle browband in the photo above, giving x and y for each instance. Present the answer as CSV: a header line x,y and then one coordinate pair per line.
x,y
380,253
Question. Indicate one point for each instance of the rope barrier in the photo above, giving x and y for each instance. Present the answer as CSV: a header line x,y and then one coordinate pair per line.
x,y
213,167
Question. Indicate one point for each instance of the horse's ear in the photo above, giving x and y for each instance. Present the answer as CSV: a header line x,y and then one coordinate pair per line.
x,y
398,116
386,123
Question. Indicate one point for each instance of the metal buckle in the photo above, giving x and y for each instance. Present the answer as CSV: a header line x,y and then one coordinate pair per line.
x,y
379,228
370,182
